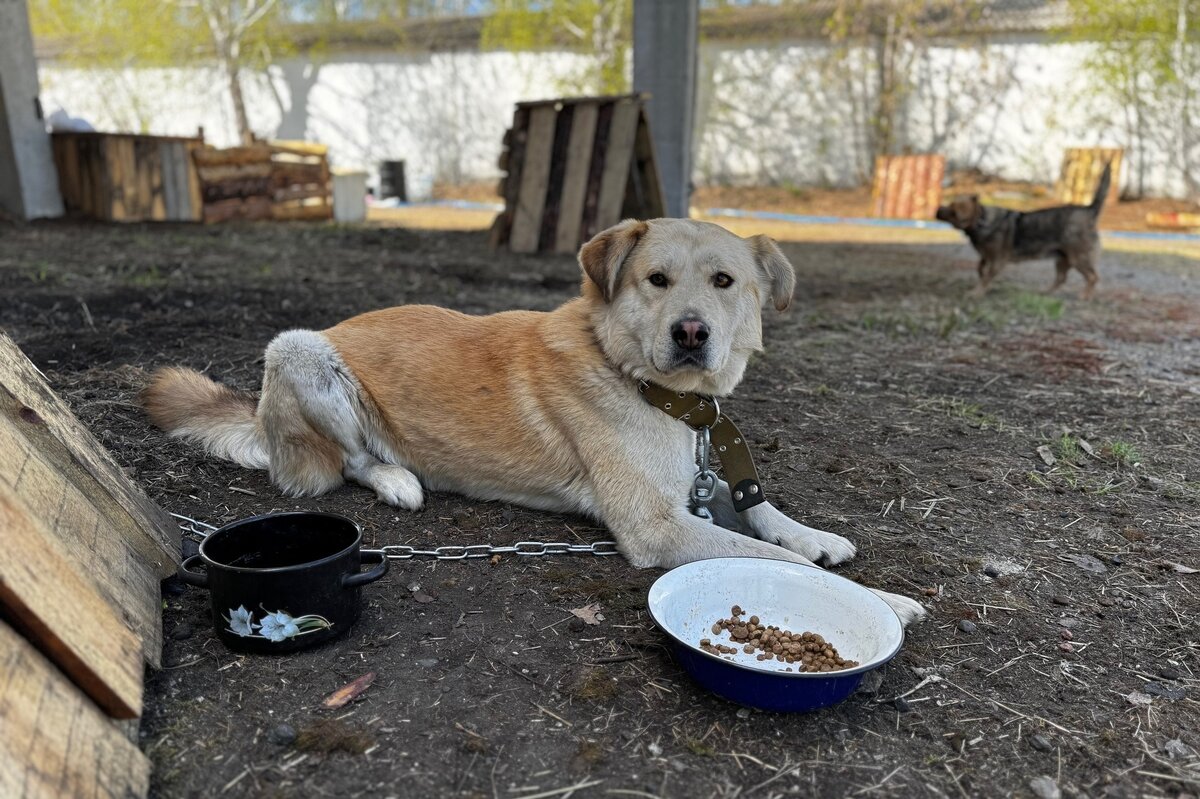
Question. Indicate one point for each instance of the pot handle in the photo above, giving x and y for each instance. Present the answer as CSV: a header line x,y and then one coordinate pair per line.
x,y
362,578
199,579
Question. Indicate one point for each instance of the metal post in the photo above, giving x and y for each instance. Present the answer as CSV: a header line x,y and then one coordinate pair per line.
x,y
665,34
28,179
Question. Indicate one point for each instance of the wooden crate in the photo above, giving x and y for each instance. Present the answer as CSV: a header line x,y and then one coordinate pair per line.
x,y
907,186
1080,174
575,166
84,551
121,177
266,180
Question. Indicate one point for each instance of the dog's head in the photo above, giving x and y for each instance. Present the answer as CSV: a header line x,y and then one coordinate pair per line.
x,y
963,212
678,302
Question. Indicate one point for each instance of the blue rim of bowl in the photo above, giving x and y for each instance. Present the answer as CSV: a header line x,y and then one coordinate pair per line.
x,y
803,675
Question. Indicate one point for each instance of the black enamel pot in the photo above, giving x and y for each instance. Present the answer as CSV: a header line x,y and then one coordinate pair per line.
x,y
283,581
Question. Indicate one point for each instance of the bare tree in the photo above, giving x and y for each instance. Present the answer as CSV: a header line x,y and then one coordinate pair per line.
x,y
229,22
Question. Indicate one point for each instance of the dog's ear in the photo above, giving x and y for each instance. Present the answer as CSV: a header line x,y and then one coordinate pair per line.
x,y
603,256
775,271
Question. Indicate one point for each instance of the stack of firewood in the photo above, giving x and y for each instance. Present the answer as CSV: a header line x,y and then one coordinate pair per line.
x,y
276,180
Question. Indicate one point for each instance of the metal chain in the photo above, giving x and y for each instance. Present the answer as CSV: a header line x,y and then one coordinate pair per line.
x,y
704,485
403,552
523,548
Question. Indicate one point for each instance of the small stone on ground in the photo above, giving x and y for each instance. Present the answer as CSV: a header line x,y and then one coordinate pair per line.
x,y
1045,788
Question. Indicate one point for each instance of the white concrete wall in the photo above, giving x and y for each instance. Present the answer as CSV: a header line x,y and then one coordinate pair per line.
x,y
781,113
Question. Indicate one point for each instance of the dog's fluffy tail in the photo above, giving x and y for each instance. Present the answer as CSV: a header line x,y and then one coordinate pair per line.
x,y
1102,190
188,405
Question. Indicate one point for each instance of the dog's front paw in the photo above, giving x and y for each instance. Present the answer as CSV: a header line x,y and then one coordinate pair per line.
x,y
827,549
834,549
909,610
397,486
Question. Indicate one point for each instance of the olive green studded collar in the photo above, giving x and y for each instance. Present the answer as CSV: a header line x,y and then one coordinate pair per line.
x,y
703,414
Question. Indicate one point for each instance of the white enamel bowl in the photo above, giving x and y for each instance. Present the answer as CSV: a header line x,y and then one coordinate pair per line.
x,y
686,601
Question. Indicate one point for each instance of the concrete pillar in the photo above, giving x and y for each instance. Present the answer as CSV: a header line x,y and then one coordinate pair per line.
x,y
28,179
665,43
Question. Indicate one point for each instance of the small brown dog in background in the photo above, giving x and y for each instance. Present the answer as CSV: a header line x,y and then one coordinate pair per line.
x,y
1066,233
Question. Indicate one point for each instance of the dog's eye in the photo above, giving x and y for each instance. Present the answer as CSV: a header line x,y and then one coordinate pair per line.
x,y
722,280
658,279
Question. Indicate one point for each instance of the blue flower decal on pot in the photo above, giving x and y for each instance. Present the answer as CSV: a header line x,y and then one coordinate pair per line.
x,y
276,627
241,621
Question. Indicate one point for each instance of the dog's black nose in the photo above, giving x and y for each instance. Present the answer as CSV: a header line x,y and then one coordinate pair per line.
x,y
689,334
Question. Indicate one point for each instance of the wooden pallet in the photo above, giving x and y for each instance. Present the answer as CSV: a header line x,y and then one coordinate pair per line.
x,y
80,605
907,186
266,180
575,166
121,177
1081,169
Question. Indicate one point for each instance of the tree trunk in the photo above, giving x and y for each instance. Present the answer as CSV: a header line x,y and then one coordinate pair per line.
x,y
239,103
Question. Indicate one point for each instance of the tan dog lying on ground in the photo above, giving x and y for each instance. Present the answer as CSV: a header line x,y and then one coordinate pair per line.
x,y
541,409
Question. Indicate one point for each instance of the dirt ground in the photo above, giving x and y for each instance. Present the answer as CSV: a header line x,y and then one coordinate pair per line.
x,y
1061,651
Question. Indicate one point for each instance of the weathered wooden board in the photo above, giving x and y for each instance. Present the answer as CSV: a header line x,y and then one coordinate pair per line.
x,y
907,186
119,177
569,178
617,159
44,596
1081,170
574,187
54,744
527,219
119,538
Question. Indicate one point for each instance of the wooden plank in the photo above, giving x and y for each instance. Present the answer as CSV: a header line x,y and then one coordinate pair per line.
x,y
53,741
574,185
169,155
514,140
49,422
591,200
292,211
562,102
209,156
94,538
63,615
195,209
907,186
617,159
1080,174
554,183
50,427
933,189
531,199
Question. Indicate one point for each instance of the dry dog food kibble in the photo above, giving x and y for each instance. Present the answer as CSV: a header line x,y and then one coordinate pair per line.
x,y
807,651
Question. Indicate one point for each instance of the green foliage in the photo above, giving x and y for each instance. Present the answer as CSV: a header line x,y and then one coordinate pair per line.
x,y
1066,448
1145,58
602,28
1123,452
